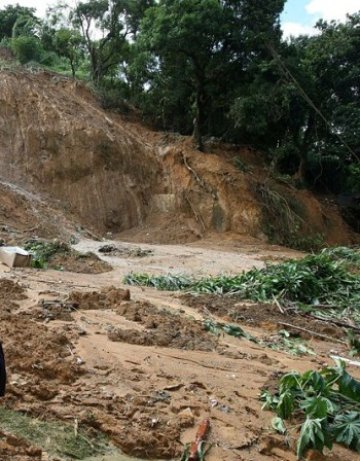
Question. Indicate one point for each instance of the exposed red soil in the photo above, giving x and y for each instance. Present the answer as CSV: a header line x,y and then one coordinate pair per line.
x,y
114,176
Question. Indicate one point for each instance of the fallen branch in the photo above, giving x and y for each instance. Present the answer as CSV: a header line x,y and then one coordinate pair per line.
x,y
278,305
312,333
348,361
335,322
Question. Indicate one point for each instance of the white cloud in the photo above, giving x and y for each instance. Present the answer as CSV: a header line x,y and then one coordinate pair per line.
x,y
332,9
40,5
294,29
325,9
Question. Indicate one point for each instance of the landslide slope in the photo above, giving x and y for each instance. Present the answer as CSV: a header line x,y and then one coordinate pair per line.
x,y
55,139
115,175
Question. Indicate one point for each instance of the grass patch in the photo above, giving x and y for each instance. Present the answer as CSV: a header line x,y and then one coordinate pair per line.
x,y
241,165
56,438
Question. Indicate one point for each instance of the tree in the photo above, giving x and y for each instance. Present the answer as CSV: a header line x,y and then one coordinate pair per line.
x,y
67,43
105,17
204,45
134,12
330,90
303,106
12,14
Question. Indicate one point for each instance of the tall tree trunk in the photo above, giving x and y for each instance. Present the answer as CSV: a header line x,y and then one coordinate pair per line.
x,y
73,71
304,147
200,116
96,65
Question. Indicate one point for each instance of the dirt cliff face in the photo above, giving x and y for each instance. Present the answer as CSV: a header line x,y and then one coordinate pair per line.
x,y
52,139
115,175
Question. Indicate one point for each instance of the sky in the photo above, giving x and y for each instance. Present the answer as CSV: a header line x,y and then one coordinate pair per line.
x,y
299,16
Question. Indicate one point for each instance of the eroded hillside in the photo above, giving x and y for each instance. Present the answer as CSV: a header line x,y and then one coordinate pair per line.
x,y
114,175
54,139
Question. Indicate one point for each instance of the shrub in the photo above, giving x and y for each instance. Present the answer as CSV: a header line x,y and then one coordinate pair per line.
x,y
324,405
26,48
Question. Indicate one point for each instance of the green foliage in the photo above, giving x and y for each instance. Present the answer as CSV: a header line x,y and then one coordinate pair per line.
x,y
66,43
42,251
284,341
346,429
105,53
353,342
161,282
218,328
306,243
353,181
114,96
10,14
326,404
206,43
313,435
282,216
201,452
322,283
348,257
26,48
240,165
311,280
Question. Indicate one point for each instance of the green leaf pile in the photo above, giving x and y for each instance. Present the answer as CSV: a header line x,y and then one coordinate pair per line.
x,y
42,251
327,283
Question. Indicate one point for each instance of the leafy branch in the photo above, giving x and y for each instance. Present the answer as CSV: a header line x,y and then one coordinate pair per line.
x,y
325,406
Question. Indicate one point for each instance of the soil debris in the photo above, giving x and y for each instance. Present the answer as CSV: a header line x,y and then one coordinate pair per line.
x,y
17,449
264,315
140,369
107,298
114,250
10,293
61,256
163,328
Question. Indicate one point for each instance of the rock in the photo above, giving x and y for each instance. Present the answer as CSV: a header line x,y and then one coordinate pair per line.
x,y
186,418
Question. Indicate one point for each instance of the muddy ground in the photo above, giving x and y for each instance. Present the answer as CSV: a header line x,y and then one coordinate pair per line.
x,y
138,366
